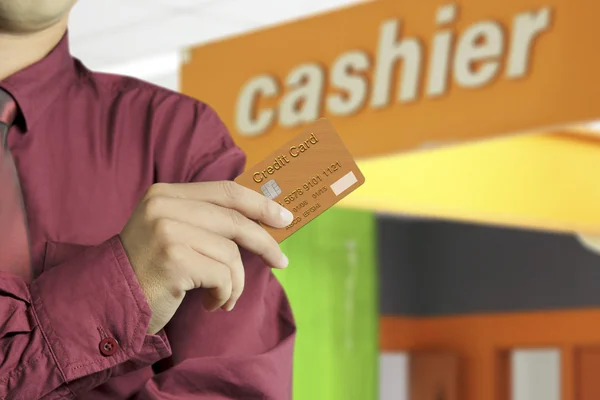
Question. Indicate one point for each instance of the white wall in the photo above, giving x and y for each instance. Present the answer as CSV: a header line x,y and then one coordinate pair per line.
x,y
170,81
161,69
113,32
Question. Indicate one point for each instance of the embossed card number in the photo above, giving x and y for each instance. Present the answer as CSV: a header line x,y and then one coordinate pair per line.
x,y
307,175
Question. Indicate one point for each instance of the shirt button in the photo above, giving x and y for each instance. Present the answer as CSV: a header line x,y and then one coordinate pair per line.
x,y
108,346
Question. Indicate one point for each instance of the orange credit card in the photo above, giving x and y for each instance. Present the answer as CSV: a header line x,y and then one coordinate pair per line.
x,y
307,175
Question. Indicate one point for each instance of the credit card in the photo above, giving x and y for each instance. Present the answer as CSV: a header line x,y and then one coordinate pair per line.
x,y
307,175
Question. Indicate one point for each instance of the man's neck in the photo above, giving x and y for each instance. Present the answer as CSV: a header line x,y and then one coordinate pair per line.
x,y
18,51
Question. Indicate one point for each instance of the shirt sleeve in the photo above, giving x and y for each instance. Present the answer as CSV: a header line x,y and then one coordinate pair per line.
x,y
74,327
243,354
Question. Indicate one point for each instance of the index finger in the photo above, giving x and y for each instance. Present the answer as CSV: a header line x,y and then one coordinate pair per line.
x,y
237,197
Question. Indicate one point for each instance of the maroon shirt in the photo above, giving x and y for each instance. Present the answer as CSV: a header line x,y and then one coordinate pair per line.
x,y
87,146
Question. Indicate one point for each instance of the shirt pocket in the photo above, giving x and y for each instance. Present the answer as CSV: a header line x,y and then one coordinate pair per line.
x,y
57,253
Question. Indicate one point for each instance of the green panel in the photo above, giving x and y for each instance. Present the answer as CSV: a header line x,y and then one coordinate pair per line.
x,y
331,283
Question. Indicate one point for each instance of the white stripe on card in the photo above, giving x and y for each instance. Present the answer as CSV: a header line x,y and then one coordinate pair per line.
x,y
342,184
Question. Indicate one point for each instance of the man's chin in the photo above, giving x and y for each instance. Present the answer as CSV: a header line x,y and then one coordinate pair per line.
x,y
591,243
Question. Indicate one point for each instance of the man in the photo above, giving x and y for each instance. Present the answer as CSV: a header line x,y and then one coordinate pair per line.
x,y
139,289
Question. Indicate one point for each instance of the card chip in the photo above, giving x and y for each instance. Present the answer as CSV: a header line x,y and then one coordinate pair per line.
x,y
271,189
344,183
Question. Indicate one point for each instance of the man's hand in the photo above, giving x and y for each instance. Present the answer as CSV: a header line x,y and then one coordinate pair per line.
x,y
186,236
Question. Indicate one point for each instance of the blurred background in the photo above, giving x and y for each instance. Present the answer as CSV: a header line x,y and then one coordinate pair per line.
x,y
146,38
454,272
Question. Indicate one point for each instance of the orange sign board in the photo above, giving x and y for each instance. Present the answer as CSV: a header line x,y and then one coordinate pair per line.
x,y
394,75
397,75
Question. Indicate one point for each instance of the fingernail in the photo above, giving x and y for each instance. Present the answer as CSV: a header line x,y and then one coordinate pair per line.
x,y
231,307
286,216
284,261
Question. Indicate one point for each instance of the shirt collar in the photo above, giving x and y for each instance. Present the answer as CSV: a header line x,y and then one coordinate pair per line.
x,y
37,86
